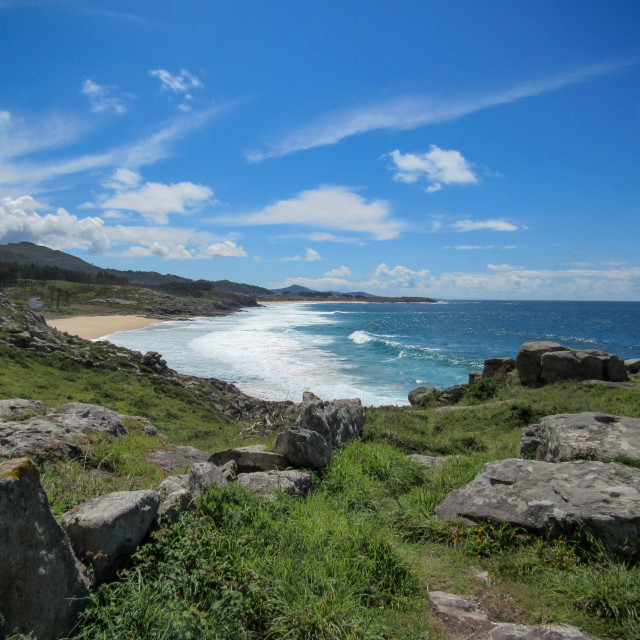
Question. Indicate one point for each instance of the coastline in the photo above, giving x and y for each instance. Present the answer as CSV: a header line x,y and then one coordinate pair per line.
x,y
92,327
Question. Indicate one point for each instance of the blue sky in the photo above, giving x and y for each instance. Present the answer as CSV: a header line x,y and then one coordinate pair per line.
x,y
464,149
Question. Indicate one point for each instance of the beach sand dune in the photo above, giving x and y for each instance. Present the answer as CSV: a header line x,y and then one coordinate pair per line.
x,y
91,327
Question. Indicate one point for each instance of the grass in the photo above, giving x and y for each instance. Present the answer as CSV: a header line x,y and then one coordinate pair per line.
x,y
353,560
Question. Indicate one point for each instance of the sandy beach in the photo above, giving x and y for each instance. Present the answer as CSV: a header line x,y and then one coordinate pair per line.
x,y
91,327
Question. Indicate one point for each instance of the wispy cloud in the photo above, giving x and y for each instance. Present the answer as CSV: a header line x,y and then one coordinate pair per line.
x,y
103,98
411,112
482,225
326,207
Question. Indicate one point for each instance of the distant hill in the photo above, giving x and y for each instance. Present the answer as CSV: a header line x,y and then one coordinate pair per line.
x,y
29,253
295,289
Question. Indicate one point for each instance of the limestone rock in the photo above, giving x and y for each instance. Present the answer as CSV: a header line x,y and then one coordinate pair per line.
x,y
268,483
105,530
177,457
557,498
303,448
53,433
417,394
252,458
41,585
493,366
203,475
582,436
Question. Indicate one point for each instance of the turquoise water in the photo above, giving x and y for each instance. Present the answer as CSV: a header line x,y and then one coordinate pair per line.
x,y
377,352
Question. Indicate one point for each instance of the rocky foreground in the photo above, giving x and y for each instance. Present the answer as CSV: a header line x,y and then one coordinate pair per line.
x,y
577,473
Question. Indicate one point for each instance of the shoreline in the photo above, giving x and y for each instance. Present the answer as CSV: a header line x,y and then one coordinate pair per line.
x,y
93,327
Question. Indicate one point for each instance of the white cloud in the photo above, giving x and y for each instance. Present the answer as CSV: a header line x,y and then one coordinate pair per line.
x,y
400,276
155,200
102,98
502,267
20,221
436,167
328,208
181,83
412,112
482,225
339,272
311,255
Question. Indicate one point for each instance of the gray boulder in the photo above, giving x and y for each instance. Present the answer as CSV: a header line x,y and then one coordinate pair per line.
x,y
203,475
633,365
42,588
177,457
582,436
417,394
16,407
175,498
557,498
474,375
493,366
319,430
268,483
528,361
429,461
451,395
303,448
53,433
106,530
465,619
541,363
252,458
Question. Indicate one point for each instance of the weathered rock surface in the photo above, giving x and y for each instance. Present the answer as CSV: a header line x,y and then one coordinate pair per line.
x,y
53,433
16,407
465,618
633,365
540,363
417,394
41,585
268,483
303,448
582,436
557,498
202,476
320,428
452,394
252,458
177,457
429,461
493,366
105,530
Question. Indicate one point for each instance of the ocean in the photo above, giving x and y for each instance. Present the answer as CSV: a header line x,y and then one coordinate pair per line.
x,y
377,351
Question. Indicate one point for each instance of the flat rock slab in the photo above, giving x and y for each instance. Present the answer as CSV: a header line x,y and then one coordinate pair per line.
x,y
557,498
41,586
465,618
53,433
269,483
251,458
486,405
582,436
105,530
18,406
177,457
429,461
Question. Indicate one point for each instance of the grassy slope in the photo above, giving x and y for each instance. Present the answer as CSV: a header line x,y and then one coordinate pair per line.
x,y
355,559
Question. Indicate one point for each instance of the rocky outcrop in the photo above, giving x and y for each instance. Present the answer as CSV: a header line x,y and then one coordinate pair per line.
x,y
105,530
17,408
320,429
541,363
633,365
202,476
177,457
53,433
252,458
418,394
582,436
558,498
466,619
452,394
41,584
494,366
268,483
155,361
